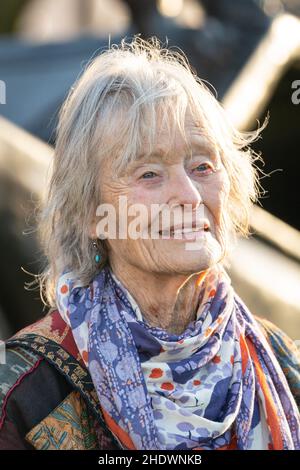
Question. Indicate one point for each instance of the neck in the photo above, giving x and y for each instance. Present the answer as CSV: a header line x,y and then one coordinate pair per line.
x,y
166,301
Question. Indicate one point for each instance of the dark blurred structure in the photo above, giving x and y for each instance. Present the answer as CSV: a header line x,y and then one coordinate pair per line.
x,y
280,147
217,51
229,34
10,11
38,77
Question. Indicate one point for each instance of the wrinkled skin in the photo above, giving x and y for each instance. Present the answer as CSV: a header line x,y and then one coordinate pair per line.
x,y
161,274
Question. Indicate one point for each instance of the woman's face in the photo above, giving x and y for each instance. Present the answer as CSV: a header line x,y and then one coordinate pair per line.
x,y
168,177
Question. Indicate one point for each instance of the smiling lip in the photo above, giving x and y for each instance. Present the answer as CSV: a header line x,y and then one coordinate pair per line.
x,y
191,232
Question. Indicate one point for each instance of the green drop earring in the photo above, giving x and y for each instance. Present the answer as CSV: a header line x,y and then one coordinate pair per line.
x,y
97,255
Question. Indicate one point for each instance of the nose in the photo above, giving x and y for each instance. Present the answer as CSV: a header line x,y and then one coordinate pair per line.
x,y
182,189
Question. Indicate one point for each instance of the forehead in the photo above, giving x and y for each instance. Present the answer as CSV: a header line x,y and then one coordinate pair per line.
x,y
193,138
162,132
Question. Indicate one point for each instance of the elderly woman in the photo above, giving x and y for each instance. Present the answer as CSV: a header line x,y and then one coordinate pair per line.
x,y
146,345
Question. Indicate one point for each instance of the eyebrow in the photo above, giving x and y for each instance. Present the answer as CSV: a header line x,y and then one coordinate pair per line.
x,y
204,145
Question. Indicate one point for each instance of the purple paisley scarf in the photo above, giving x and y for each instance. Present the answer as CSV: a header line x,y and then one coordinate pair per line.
x,y
217,385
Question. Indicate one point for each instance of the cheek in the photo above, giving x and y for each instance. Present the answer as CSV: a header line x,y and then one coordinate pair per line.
x,y
110,193
132,212
216,195
142,195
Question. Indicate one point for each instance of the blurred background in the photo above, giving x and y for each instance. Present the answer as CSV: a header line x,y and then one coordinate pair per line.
x,y
248,50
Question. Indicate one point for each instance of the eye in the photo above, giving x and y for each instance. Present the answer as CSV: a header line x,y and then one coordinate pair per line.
x,y
148,175
204,168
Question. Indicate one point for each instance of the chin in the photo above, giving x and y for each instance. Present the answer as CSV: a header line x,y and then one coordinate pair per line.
x,y
200,259
192,262
201,263
187,257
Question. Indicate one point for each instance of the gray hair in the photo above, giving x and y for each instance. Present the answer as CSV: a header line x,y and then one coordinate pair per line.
x,y
110,111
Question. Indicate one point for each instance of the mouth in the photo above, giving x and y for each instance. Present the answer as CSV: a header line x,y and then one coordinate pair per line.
x,y
186,233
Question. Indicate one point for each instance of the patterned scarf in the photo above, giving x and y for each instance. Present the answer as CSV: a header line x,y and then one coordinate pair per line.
x,y
217,385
